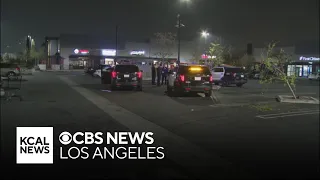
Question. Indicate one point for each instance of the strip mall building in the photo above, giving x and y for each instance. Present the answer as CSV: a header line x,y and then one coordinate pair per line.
x,y
78,51
304,60
73,51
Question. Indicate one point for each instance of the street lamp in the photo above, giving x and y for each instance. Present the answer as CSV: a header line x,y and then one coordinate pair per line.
x,y
205,34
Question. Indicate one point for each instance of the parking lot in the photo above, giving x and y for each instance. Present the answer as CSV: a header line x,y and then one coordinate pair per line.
x,y
248,128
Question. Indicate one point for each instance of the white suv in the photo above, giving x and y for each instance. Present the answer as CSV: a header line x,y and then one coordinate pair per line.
x,y
314,76
218,74
9,70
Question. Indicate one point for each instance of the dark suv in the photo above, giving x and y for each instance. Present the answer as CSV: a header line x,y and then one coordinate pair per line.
x,y
234,75
126,76
190,78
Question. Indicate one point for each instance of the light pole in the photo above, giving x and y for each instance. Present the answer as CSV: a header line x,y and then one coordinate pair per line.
x,y
205,34
179,26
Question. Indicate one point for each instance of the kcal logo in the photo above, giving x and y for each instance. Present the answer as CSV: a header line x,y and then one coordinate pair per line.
x,y
34,145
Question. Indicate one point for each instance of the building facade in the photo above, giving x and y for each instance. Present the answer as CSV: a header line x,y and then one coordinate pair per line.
x,y
70,51
303,63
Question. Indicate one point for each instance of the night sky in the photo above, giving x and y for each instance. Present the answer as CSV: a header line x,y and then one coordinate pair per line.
x,y
239,21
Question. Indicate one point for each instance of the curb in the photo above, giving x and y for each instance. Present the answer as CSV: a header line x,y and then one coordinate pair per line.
x,y
302,99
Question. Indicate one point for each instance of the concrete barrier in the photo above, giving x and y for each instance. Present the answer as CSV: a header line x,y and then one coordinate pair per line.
x,y
42,67
56,67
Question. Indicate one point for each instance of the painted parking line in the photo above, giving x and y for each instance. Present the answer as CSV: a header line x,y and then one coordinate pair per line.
x,y
181,149
289,114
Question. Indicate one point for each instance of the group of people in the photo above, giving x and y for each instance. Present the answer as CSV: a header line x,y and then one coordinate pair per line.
x,y
159,73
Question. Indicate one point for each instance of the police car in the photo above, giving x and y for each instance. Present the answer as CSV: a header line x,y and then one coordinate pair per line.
x,y
126,75
190,79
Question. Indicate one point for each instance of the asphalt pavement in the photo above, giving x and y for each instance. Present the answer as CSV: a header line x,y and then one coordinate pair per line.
x,y
247,135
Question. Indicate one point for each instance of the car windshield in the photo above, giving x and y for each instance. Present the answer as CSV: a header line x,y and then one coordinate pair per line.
x,y
234,70
217,69
126,68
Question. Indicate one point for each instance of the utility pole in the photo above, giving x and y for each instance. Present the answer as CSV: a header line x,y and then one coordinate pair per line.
x,y
114,61
117,27
179,26
179,39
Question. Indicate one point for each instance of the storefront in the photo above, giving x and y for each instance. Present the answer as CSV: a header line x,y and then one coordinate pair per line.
x,y
304,66
79,59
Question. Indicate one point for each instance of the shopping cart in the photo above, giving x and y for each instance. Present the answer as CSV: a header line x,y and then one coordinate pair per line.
x,y
11,88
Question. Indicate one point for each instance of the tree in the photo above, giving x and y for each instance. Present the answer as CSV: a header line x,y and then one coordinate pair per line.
x,y
35,56
165,42
217,51
228,56
273,68
247,61
196,54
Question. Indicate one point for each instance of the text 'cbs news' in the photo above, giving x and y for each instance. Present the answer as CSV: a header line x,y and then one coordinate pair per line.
x,y
130,151
35,145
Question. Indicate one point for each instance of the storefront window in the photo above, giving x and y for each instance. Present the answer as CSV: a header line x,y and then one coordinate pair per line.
x,y
291,70
305,70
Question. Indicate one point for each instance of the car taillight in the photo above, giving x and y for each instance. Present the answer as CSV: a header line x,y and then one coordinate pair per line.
x,y
18,68
211,78
114,74
182,78
139,74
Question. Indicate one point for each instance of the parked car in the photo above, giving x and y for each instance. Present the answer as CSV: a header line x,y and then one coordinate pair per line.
x,y
314,76
229,75
10,70
126,75
256,76
89,70
235,76
218,74
190,78
97,73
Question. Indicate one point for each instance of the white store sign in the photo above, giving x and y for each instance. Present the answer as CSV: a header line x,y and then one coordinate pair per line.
x,y
108,52
137,53
302,58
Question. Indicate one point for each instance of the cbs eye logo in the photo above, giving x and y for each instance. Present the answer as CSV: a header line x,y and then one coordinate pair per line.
x,y
65,138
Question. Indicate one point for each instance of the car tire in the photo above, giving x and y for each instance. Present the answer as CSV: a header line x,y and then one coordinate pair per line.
x,y
11,75
169,90
113,88
139,88
176,92
224,84
208,94
239,85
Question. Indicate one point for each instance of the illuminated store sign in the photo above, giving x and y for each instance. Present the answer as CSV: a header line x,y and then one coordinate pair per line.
x,y
108,52
204,56
81,51
137,52
302,58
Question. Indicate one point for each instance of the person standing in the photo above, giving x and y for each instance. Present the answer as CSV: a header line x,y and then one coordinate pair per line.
x,y
153,74
158,69
164,74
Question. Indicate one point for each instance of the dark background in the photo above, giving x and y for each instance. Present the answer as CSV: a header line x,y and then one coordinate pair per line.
x,y
237,21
